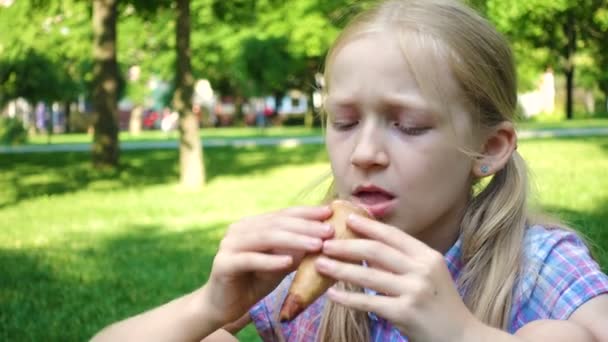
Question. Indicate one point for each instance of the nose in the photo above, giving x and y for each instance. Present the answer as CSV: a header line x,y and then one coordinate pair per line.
x,y
370,150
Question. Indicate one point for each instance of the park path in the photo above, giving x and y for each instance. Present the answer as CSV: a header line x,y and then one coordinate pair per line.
x,y
267,141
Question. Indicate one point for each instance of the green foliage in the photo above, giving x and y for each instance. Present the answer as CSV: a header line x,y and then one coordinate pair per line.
x,y
44,50
250,47
255,75
35,77
12,131
236,12
147,40
537,30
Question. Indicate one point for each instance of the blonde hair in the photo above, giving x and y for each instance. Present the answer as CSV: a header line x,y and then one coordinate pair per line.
x,y
494,222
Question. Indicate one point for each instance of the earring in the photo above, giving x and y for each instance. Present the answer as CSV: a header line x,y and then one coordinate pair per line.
x,y
484,169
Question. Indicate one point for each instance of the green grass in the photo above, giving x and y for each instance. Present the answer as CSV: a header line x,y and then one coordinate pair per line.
x,y
225,132
80,248
549,124
289,131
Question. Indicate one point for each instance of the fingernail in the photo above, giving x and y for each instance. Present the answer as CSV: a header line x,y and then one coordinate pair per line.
x,y
328,228
286,260
333,292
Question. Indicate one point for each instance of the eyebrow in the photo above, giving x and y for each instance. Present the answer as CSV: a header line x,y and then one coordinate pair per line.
x,y
406,101
409,102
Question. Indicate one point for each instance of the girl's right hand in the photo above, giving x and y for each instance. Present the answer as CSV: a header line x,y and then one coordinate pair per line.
x,y
257,253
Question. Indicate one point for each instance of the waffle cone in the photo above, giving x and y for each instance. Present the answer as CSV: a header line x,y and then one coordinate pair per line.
x,y
308,284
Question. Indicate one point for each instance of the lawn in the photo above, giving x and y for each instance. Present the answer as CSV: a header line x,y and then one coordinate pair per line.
x,y
156,135
577,123
82,248
288,131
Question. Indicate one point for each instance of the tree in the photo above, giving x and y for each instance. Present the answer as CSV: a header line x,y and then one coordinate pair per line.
x,y
598,38
559,26
34,77
105,84
48,61
192,175
161,57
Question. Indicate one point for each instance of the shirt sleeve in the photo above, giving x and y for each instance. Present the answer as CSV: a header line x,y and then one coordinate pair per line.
x,y
559,277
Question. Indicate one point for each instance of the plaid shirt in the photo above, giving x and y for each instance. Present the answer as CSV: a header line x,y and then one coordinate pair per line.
x,y
558,276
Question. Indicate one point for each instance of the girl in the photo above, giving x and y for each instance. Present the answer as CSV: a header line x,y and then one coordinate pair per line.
x,y
420,99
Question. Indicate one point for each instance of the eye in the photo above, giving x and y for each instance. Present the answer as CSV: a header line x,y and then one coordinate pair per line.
x,y
410,130
344,125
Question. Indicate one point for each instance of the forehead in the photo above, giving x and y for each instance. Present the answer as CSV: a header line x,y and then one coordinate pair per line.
x,y
384,63
365,59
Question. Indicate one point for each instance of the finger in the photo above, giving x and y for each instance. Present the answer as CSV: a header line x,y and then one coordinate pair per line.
x,y
260,241
318,213
387,234
371,278
379,304
250,261
297,225
373,252
303,226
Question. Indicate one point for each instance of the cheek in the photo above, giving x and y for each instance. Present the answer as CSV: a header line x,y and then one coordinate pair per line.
x,y
450,166
434,170
338,145
339,160
430,189
333,150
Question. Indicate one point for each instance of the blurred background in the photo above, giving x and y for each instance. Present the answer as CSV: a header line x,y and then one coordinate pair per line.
x,y
132,132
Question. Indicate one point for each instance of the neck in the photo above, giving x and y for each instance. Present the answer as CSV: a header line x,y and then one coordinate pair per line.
x,y
443,232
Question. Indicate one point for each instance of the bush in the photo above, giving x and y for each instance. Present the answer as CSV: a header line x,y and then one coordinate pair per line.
x,y
12,131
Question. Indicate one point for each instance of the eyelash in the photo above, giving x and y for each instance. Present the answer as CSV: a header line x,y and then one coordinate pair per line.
x,y
414,131
410,130
344,126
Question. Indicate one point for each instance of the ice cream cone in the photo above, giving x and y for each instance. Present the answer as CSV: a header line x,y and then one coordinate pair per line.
x,y
308,284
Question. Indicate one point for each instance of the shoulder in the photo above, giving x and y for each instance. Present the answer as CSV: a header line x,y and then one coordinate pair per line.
x,y
558,275
539,241
556,253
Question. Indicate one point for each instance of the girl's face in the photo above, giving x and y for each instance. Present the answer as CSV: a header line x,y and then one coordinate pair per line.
x,y
389,150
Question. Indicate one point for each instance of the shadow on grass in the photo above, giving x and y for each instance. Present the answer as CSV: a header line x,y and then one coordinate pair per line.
x,y
67,293
32,175
592,225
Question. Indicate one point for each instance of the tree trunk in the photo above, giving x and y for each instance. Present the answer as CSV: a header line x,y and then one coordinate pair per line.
x,y
192,173
105,84
603,84
569,92
569,69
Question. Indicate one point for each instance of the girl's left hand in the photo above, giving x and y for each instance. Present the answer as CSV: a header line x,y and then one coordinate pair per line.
x,y
416,292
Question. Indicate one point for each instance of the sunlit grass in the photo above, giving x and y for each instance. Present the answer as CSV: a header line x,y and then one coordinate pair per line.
x,y
209,133
288,131
560,123
80,248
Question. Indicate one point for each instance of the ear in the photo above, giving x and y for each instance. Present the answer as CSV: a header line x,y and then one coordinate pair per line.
x,y
496,150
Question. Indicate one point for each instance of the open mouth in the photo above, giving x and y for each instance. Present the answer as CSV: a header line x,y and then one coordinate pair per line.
x,y
377,201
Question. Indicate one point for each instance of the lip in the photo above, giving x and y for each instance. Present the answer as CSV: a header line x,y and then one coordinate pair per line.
x,y
380,209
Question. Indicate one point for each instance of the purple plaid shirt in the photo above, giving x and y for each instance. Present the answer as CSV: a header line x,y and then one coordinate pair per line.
x,y
558,276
